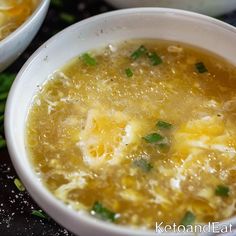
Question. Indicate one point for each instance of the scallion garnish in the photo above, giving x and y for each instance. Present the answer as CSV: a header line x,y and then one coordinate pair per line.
x,y
1,128
143,164
6,81
103,213
188,219
19,185
222,191
57,3
163,125
2,142
2,107
3,96
68,18
40,214
139,52
201,68
153,138
154,58
89,60
129,72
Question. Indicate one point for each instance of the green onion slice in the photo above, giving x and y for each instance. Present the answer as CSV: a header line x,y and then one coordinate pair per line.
x,y
68,18
40,214
222,191
154,58
6,81
129,72
163,125
3,96
2,142
102,212
188,219
153,138
57,3
201,68
143,164
2,107
139,52
19,185
89,60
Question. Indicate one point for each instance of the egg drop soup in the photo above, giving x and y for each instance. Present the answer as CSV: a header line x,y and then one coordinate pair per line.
x,y
139,132
13,13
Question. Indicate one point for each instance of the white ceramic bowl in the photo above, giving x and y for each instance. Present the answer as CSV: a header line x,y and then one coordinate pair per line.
x,y
96,32
14,44
209,7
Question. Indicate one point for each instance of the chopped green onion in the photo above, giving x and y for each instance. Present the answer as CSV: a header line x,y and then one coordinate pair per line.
x,y
103,213
40,214
154,58
1,128
89,60
2,143
6,81
19,185
153,138
201,68
143,164
57,3
188,219
68,18
3,96
129,72
1,118
2,108
163,125
139,52
222,191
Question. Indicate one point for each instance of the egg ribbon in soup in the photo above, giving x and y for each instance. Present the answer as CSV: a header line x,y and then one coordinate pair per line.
x,y
138,133
13,13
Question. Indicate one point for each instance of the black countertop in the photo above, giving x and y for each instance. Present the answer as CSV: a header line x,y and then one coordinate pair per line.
x,y
16,207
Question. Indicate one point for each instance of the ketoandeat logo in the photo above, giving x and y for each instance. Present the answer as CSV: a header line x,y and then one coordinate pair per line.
x,y
211,227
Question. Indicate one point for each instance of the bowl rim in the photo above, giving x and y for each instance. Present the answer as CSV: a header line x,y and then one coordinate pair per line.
x,y
44,194
17,31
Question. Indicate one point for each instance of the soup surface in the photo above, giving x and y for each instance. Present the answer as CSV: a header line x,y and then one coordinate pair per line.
x,y
13,13
139,132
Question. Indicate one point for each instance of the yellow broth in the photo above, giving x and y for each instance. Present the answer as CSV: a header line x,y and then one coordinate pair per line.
x,y
13,13
147,142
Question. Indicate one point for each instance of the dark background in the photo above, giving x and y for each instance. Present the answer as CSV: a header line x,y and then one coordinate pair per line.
x,y
16,207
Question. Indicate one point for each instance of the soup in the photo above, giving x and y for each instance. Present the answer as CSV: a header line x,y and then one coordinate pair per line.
x,y
13,13
139,132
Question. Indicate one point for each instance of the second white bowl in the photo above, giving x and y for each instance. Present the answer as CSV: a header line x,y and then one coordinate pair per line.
x,y
208,7
14,44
